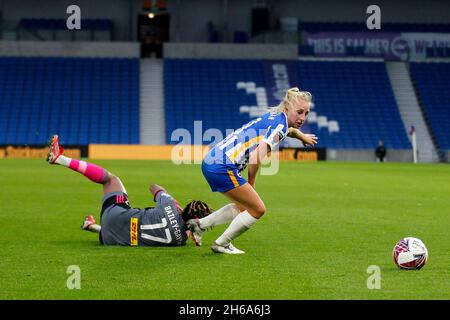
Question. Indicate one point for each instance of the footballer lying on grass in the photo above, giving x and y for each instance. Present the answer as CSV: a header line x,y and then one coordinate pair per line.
x,y
163,225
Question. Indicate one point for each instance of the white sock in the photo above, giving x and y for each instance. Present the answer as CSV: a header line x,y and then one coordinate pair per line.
x,y
95,228
64,161
238,226
223,215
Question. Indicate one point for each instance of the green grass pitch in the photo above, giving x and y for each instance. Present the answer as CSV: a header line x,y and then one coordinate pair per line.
x,y
326,223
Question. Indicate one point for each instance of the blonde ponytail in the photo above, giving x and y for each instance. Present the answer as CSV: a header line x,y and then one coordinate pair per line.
x,y
293,95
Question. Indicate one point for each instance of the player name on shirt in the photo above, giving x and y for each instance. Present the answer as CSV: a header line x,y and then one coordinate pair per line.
x,y
174,223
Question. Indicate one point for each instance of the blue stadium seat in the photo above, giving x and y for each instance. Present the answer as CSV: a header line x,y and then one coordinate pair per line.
x,y
356,94
432,81
347,93
64,95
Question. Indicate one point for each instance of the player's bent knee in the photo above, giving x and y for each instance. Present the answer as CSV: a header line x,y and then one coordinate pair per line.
x,y
109,178
113,184
259,211
262,210
112,180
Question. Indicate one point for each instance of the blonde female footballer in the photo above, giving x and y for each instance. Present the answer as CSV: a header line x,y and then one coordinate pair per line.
x,y
247,146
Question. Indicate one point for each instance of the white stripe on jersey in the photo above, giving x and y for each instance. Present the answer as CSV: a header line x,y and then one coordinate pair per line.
x,y
239,148
270,139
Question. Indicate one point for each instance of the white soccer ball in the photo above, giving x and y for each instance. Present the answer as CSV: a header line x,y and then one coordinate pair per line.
x,y
410,253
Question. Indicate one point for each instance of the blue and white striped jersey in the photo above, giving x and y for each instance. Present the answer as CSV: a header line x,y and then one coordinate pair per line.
x,y
271,128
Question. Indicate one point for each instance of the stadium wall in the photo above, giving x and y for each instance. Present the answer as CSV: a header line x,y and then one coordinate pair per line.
x,y
123,13
195,154
190,153
189,21
406,11
39,152
365,155
182,153
230,51
78,49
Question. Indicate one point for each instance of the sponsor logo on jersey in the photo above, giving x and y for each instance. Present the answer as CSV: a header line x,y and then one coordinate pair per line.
x,y
133,231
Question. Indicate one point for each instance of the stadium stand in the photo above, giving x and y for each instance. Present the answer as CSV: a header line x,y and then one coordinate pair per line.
x,y
358,95
85,100
206,90
431,81
354,102
60,24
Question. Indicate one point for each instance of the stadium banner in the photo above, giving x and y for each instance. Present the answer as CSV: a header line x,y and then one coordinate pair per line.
x,y
302,154
186,154
386,45
419,42
177,153
39,152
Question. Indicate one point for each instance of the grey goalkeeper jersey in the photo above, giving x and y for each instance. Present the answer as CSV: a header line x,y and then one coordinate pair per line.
x,y
156,226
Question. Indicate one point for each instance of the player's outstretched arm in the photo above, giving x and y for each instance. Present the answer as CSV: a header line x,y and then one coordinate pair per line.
x,y
306,138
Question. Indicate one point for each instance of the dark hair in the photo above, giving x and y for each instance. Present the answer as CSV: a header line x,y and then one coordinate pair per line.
x,y
195,209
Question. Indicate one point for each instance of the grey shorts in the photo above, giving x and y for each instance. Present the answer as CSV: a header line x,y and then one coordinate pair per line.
x,y
114,218
114,199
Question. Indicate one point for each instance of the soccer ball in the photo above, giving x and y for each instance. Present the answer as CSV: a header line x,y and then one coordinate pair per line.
x,y
410,253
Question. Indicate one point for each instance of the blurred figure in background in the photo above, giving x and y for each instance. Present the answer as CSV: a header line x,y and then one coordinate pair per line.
x,y
380,151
